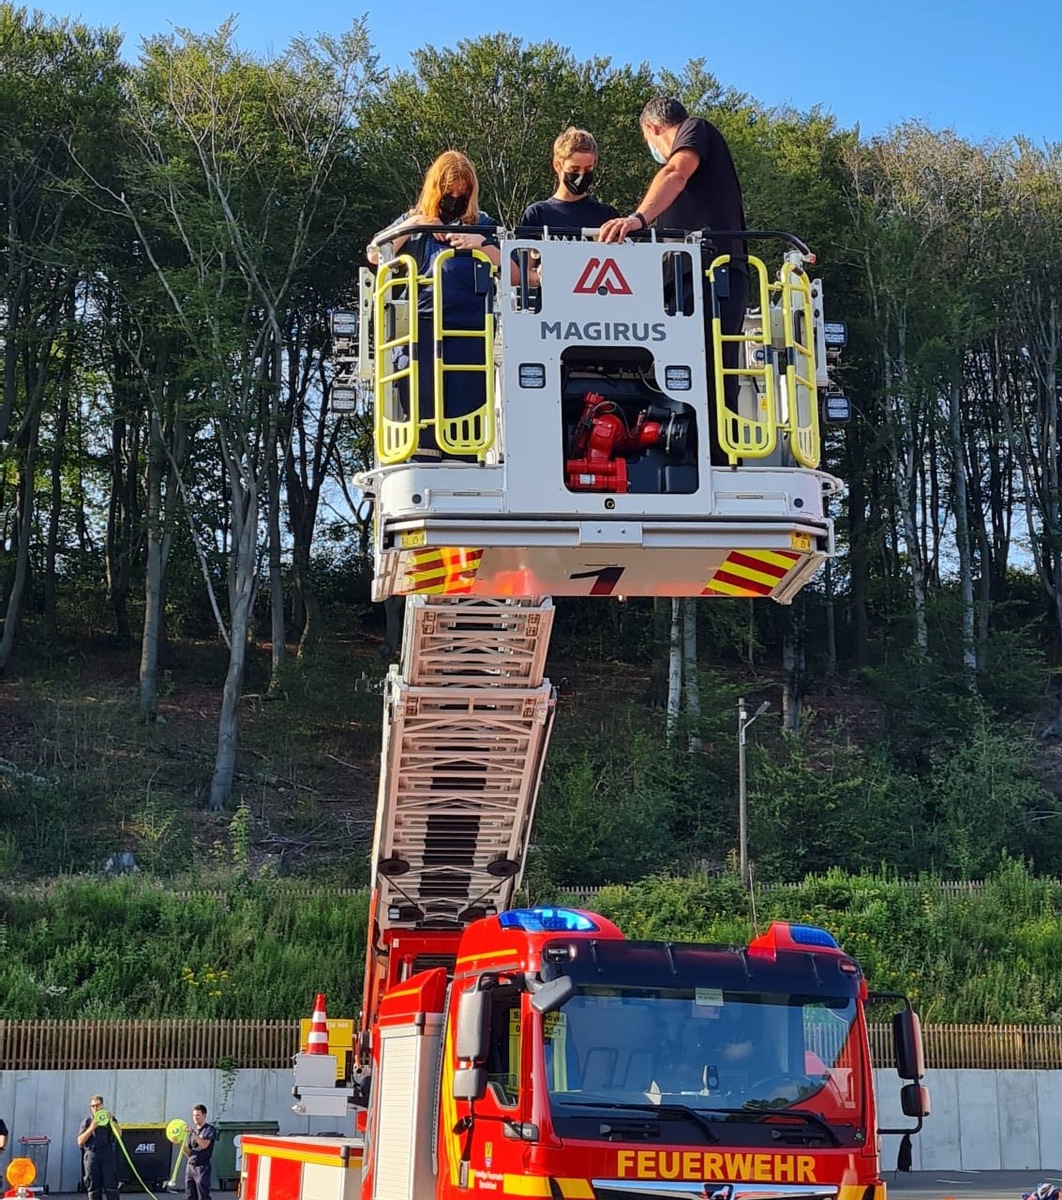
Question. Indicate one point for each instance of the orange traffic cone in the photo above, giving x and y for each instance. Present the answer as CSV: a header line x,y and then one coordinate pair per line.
x,y
317,1042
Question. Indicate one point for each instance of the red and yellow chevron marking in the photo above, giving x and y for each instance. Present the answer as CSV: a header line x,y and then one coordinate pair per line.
x,y
751,572
441,570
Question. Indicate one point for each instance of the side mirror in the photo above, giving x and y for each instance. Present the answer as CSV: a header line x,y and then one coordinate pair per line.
x,y
472,1038
470,1083
914,1100
907,1044
553,996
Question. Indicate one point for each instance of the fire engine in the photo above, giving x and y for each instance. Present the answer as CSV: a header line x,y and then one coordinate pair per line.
x,y
617,446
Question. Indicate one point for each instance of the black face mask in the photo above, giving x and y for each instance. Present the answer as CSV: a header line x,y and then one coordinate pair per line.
x,y
578,182
452,207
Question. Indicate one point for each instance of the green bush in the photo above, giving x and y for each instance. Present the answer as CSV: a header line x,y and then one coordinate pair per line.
x,y
85,948
128,948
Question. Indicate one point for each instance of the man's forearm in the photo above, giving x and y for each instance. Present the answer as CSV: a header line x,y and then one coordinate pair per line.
x,y
665,187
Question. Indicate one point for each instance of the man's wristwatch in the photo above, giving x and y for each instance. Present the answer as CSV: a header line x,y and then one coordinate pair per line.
x,y
640,218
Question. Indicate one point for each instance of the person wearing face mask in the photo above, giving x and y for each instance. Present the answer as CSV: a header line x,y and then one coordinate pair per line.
x,y
696,188
571,207
448,201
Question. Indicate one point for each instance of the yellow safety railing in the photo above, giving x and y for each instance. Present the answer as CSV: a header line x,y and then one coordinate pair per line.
x,y
793,413
398,419
395,431
472,433
740,436
802,418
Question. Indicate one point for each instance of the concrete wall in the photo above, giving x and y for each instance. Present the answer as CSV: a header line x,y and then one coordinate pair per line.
x,y
54,1103
981,1121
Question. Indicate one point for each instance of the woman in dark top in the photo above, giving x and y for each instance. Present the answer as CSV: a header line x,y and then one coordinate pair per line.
x,y
449,199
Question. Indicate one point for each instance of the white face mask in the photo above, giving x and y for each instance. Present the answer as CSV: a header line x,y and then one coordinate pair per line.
x,y
657,156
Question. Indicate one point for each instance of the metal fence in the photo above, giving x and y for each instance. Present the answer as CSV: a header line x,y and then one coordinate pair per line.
x,y
48,1045
979,1047
54,1045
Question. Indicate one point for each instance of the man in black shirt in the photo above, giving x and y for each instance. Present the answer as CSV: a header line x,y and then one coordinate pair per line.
x,y
98,1138
571,207
200,1150
696,188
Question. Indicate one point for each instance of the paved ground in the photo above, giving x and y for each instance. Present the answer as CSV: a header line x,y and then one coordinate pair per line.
x,y
927,1185
966,1185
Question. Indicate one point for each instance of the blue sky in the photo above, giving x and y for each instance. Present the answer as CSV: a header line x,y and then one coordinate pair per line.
x,y
983,69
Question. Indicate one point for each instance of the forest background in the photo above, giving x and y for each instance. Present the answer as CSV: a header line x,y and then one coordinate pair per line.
x,y
188,656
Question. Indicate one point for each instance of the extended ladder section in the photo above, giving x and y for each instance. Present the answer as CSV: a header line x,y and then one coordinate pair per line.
x,y
467,718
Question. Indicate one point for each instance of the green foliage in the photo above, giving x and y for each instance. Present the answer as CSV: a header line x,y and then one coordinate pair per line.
x,y
605,813
986,954
982,794
827,801
129,948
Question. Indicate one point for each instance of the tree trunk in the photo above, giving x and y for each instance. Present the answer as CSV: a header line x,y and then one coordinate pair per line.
x,y
123,520
304,599
241,605
229,718
674,671
277,631
831,623
153,571
690,673
656,691
962,536
54,513
793,668
13,614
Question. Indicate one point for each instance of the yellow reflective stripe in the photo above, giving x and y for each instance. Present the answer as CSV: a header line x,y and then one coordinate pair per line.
x,y
729,589
576,1189
750,573
778,558
538,1185
450,1140
509,954
859,1191
306,1156
526,1185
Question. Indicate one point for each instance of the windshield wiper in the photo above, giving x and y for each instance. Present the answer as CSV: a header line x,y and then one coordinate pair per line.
x,y
695,1116
792,1114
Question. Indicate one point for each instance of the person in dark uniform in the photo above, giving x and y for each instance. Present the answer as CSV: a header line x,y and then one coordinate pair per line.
x,y
571,206
99,1147
199,1147
696,188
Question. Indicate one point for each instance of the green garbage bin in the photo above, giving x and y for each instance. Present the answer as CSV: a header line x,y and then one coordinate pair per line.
x,y
226,1168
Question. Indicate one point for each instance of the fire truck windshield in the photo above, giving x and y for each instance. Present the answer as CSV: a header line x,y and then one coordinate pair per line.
x,y
746,1057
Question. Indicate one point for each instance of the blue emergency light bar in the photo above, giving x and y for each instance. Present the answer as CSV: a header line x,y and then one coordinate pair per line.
x,y
781,935
546,920
812,935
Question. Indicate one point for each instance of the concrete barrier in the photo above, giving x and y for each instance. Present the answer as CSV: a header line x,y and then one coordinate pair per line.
x,y
981,1120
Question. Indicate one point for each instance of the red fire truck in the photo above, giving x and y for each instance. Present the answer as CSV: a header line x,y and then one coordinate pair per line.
x,y
536,1052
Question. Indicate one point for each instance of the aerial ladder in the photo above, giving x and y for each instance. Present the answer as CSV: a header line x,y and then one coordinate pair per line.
x,y
587,469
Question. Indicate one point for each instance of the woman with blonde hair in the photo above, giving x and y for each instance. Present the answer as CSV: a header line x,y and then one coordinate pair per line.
x,y
448,200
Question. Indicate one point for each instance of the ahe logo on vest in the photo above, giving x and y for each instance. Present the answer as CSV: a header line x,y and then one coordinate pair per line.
x,y
602,278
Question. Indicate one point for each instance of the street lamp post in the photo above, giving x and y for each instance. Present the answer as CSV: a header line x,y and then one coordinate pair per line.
x,y
744,721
